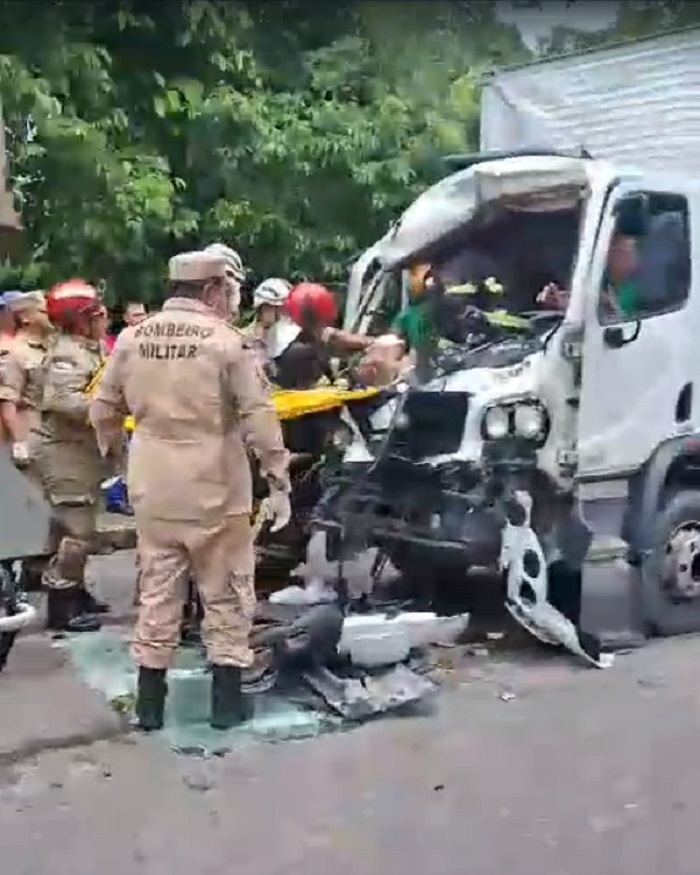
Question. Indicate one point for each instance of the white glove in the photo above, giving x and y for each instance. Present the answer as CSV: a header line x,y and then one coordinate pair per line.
x,y
279,509
20,453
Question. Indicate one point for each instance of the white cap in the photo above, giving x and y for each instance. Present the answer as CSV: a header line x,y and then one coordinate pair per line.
x,y
233,260
271,291
195,267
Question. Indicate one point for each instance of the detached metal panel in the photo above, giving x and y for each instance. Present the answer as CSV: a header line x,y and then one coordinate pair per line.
x,y
25,516
637,103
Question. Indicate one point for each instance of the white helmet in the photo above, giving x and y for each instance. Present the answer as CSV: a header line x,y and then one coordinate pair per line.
x,y
231,257
271,291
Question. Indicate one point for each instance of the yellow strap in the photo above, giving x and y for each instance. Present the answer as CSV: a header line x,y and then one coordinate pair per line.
x,y
506,320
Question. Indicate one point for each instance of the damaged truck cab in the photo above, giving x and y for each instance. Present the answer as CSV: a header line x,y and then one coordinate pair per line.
x,y
558,446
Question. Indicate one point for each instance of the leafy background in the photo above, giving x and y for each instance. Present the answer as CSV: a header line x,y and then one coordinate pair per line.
x,y
292,130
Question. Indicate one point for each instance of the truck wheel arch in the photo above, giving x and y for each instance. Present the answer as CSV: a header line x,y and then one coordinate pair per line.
x,y
674,467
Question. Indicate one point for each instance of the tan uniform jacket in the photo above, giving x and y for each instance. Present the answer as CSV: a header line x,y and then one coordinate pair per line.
x,y
7,344
72,466
196,393
21,384
254,339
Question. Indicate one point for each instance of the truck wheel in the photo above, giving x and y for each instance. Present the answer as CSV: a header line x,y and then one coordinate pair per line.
x,y
671,571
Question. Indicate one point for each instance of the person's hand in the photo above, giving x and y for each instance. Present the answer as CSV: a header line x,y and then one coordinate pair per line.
x,y
609,306
553,297
279,509
20,453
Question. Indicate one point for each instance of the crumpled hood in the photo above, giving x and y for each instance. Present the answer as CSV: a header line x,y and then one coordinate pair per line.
x,y
491,382
486,386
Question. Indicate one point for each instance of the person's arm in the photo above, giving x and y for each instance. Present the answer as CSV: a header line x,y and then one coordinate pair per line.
x,y
108,408
610,306
250,392
12,384
344,342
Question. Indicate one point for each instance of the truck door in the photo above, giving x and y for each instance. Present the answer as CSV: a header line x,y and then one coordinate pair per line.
x,y
641,353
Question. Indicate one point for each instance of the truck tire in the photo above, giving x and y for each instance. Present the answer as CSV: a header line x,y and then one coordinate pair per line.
x,y
671,570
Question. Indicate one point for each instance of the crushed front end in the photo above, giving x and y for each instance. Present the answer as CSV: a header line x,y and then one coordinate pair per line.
x,y
431,512
414,510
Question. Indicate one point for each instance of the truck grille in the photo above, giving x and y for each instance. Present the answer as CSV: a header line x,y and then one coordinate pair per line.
x,y
429,424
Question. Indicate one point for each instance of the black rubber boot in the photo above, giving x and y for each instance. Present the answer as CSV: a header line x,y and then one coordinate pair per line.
x,y
229,705
150,698
64,612
91,605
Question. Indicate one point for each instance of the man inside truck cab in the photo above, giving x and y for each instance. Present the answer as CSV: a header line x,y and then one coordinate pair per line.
x,y
620,298
414,324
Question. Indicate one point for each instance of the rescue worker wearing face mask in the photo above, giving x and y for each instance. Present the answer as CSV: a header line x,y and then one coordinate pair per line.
x,y
70,462
270,328
235,274
197,393
21,379
307,355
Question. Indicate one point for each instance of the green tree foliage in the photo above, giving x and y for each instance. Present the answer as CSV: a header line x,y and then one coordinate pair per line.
x,y
292,130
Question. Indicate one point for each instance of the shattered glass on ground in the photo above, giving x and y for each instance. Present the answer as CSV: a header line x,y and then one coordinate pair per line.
x,y
307,700
103,662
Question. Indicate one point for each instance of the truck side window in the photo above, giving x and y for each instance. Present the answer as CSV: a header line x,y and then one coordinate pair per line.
x,y
648,269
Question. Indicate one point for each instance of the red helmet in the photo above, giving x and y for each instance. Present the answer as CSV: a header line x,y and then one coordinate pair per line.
x,y
71,300
311,299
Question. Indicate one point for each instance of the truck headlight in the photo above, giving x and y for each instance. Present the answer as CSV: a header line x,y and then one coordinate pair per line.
x,y
525,419
529,421
497,423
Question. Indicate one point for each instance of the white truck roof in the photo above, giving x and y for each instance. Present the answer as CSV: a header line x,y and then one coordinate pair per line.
x,y
637,103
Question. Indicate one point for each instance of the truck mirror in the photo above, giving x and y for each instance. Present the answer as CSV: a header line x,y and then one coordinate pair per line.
x,y
633,213
614,336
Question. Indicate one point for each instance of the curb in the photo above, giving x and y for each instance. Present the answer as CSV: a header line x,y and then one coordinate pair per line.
x,y
35,746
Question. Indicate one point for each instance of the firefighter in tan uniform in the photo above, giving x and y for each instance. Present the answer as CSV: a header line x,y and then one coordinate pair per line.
x,y
196,394
21,375
72,467
21,388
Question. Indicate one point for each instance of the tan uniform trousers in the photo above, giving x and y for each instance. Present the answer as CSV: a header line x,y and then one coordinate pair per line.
x,y
32,471
221,559
71,477
71,534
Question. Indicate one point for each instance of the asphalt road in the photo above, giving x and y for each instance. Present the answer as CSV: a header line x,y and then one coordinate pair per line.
x,y
532,765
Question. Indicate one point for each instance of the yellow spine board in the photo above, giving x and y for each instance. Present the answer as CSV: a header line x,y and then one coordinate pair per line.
x,y
290,404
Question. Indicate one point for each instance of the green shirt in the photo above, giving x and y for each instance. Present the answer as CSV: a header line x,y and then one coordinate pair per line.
x,y
627,297
415,325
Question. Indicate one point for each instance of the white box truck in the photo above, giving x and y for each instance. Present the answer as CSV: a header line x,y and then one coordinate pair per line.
x,y
587,422
637,103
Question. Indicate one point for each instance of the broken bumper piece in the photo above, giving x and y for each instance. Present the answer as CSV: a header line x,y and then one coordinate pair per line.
x,y
357,699
523,560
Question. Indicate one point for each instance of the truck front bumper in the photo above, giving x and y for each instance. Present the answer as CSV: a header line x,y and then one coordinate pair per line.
x,y
409,505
